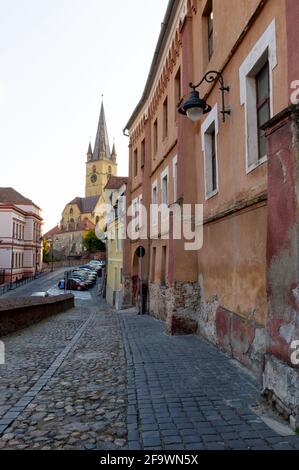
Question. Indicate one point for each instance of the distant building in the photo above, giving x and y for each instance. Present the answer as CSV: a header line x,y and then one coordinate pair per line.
x,y
114,191
20,236
81,214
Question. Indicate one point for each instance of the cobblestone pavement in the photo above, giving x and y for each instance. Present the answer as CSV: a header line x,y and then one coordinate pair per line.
x,y
185,394
91,378
64,383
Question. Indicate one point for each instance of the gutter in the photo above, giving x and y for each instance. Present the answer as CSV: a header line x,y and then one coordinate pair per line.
x,y
170,12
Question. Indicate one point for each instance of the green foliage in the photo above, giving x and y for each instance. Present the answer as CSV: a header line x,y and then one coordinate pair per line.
x,y
91,243
46,251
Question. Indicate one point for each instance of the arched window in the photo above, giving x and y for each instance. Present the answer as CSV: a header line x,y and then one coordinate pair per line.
x,y
94,169
71,211
109,170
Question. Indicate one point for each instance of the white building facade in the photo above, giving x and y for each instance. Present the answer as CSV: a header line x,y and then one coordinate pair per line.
x,y
20,237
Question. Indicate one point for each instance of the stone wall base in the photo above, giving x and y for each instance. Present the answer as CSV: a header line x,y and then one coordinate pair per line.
x,y
281,387
243,339
127,301
176,305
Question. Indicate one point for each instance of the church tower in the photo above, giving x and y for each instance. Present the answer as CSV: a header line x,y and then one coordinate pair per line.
x,y
101,162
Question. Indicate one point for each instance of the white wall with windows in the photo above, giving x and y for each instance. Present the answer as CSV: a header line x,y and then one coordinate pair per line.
x,y
209,133
256,94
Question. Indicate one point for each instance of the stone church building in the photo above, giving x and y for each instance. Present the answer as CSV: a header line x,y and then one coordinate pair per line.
x,y
80,215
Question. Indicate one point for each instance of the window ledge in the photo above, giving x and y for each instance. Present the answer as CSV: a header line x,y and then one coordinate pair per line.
x,y
255,165
212,194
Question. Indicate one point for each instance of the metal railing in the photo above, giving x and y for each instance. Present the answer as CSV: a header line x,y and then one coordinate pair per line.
x,y
4,288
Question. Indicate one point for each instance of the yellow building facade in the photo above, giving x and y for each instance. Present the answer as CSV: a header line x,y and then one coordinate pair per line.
x,y
113,195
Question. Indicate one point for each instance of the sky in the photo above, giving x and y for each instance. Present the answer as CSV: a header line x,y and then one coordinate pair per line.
x,y
57,58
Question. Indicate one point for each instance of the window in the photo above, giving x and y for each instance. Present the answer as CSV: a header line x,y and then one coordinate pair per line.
x,y
256,94
209,28
155,136
155,195
263,107
213,160
163,265
109,170
177,88
175,178
154,213
153,271
164,181
135,162
165,118
143,153
209,146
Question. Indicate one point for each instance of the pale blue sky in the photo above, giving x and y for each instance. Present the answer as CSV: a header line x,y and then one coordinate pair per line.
x,y
56,59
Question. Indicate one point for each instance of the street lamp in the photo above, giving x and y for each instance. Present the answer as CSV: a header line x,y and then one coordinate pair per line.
x,y
38,240
12,256
194,107
51,241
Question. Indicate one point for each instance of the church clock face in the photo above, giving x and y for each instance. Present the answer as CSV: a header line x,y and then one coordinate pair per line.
x,y
93,178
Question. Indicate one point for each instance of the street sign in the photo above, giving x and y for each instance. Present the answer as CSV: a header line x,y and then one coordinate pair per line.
x,y
140,252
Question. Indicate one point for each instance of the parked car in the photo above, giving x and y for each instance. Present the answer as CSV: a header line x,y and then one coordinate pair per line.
x,y
84,277
76,284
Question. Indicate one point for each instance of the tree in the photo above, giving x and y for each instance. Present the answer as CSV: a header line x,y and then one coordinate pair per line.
x,y
46,250
91,243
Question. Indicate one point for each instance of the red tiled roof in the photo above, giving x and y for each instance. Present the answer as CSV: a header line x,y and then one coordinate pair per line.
x,y
10,195
72,227
116,182
52,232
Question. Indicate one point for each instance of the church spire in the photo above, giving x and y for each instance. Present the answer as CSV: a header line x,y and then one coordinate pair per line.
x,y
113,153
101,146
89,152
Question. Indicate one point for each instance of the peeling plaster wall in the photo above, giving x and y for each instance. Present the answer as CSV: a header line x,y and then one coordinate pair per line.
x,y
281,377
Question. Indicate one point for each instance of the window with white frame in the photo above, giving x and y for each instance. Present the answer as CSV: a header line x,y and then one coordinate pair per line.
x,y
175,178
164,186
209,132
154,205
256,95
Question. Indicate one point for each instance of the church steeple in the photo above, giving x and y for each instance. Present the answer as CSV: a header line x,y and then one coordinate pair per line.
x,y
89,153
113,153
101,162
101,146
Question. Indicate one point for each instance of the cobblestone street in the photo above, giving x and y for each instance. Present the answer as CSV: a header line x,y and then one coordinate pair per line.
x,y
91,378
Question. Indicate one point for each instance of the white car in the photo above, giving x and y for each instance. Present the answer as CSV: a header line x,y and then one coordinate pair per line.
x,y
40,294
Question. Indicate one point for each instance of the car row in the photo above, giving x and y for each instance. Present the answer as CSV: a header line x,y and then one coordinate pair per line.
x,y
82,278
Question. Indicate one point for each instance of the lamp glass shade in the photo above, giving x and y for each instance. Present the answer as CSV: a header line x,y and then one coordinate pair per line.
x,y
194,114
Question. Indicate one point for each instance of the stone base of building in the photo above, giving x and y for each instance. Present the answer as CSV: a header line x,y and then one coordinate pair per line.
x,y
281,387
127,301
176,305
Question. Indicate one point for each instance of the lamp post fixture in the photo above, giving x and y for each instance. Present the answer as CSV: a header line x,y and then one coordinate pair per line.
x,y
51,241
38,240
194,106
12,260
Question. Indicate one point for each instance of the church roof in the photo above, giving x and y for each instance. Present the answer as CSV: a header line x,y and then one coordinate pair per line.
x,y
116,182
86,204
101,149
